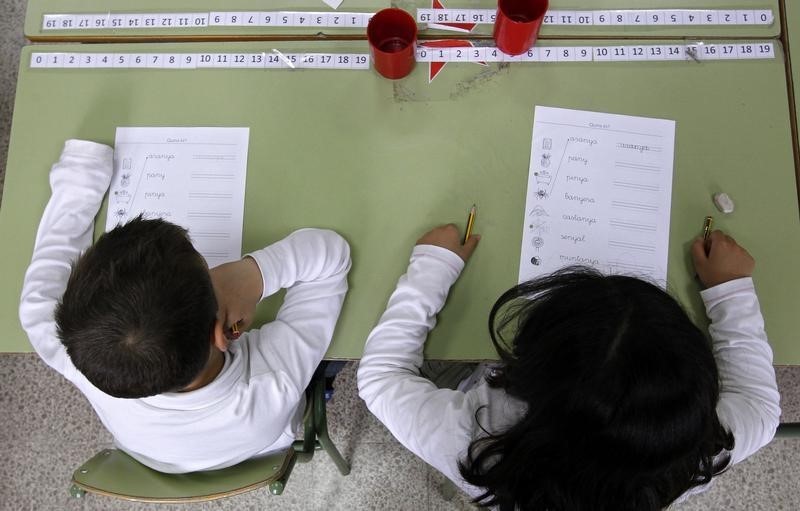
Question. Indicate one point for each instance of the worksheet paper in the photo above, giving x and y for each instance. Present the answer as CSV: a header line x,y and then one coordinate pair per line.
x,y
193,177
599,192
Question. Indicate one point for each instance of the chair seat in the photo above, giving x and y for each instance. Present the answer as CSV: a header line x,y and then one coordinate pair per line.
x,y
113,473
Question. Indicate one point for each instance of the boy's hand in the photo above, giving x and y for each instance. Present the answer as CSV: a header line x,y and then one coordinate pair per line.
x,y
238,287
447,236
720,259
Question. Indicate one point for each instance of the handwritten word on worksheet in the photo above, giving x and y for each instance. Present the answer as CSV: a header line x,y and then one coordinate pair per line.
x,y
193,177
599,191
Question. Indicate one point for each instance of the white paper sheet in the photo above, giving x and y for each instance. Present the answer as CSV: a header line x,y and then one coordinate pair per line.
x,y
599,192
193,177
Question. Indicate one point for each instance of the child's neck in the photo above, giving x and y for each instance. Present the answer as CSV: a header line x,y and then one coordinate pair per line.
x,y
215,362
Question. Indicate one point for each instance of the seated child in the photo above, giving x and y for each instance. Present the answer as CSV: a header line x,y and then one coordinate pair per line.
x,y
606,396
139,324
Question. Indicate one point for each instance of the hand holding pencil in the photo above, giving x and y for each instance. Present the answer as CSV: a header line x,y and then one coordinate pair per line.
x,y
447,236
238,288
718,258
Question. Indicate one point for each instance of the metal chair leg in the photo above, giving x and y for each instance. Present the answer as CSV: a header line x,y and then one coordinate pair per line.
x,y
788,430
321,428
304,449
276,487
76,492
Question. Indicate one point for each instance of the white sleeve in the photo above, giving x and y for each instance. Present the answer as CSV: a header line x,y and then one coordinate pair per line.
x,y
749,400
78,182
435,424
312,264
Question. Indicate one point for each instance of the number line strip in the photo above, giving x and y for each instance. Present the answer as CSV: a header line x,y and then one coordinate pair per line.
x,y
619,17
201,20
263,60
280,60
184,20
628,53
188,20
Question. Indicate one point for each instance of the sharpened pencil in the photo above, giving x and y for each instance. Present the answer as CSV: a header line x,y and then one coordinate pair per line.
x,y
707,223
470,222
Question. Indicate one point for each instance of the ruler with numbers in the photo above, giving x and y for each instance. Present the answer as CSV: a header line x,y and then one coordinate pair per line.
x,y
182,20
622,17
279,60
263,60
619,53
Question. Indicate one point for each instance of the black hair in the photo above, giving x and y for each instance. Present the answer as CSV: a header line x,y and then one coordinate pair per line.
x,y
620,391
138,311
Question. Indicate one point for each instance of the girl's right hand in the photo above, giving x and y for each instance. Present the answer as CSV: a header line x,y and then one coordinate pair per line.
x,y
720,259
447,236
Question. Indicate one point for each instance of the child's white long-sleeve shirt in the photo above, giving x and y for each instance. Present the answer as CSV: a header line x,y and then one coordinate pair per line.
x,y
255,404
439,424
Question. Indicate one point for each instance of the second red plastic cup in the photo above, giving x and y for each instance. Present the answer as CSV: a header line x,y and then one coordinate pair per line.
x,y
517,24
392,35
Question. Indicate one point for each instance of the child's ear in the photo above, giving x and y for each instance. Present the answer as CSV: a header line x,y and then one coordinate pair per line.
x,y
218,338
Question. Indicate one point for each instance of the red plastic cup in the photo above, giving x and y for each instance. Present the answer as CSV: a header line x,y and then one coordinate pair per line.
x,y
392,35
516,26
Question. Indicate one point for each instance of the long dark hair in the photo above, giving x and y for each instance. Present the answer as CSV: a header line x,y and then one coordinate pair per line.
x,y
620,389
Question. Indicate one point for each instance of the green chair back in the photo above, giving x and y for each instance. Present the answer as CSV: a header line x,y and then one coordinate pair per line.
x,y
113,473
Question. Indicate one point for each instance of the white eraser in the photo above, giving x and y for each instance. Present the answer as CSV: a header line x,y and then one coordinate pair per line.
x,y
723,202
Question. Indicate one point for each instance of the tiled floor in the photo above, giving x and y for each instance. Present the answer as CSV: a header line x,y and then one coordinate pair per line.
x,y
47,428
12,13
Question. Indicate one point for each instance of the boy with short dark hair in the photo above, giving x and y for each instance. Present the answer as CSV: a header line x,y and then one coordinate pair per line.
x,y
138,309
140,325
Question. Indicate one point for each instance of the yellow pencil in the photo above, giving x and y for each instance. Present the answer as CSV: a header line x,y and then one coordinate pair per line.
x,y
235,329
470,221
707,223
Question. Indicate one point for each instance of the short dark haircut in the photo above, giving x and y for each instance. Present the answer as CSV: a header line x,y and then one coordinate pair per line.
x,y
620,390
138,311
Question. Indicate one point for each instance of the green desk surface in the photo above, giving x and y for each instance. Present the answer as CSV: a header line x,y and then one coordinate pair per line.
x,y
793,33
382,161
36,8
